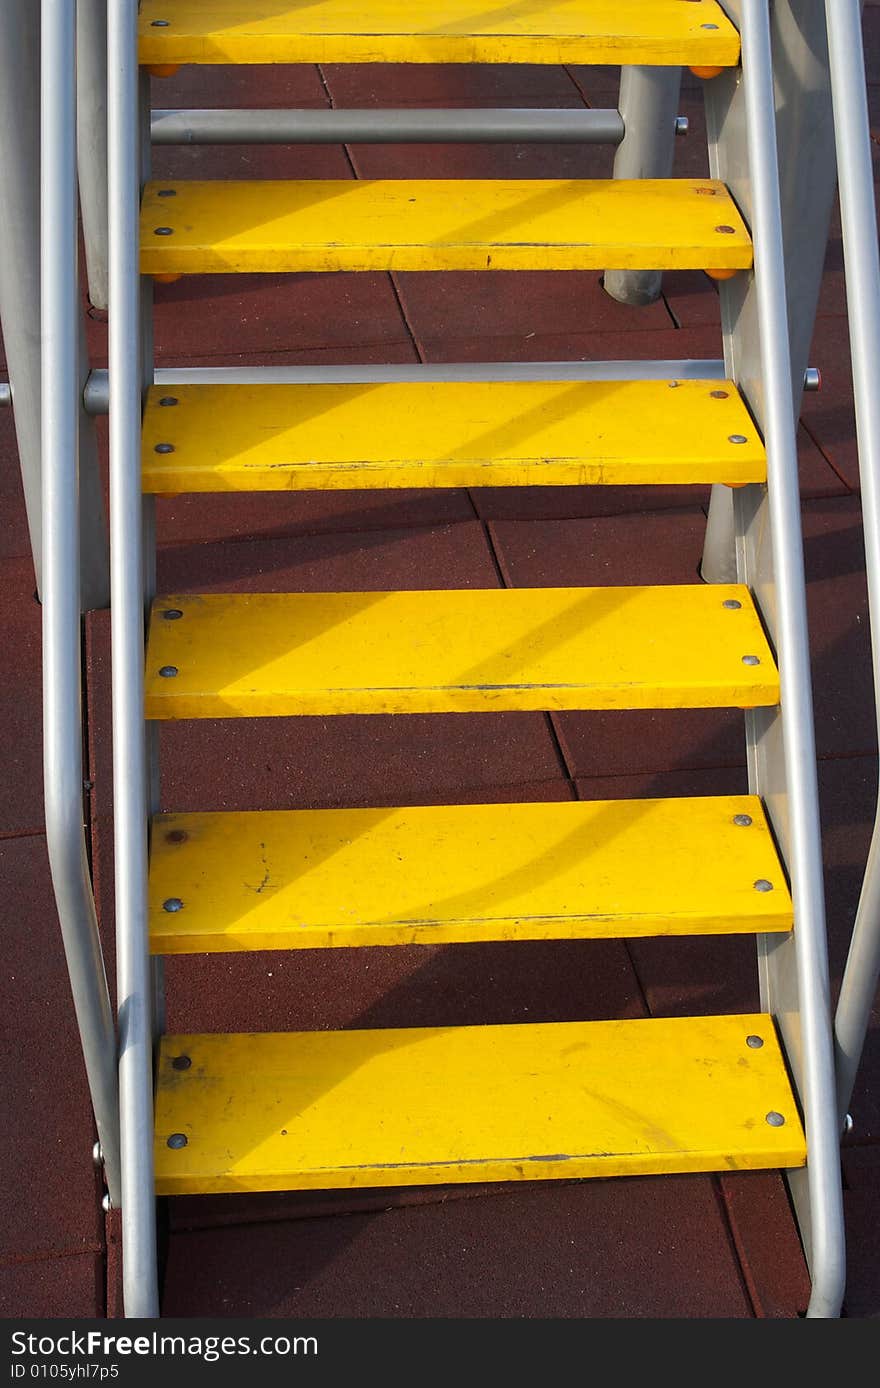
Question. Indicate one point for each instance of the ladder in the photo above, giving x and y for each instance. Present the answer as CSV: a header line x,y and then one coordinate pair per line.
x,y
220,1112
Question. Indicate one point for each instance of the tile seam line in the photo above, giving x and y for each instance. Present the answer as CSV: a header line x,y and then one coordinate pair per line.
x,y
851,491
736,1246
91,1250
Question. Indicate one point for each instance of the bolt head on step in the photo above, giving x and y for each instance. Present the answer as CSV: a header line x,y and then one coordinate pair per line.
x,y
176,1141
775,1119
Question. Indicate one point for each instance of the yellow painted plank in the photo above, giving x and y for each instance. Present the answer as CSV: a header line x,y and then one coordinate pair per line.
x,y
458,651
300,879
447,434
436,31
310,1110
440,224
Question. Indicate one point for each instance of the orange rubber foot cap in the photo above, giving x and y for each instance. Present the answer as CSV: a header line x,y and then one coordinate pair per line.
x,y
704,72
163,69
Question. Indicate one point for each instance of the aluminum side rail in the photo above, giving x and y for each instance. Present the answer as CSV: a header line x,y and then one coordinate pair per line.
x,y
862,268
828,1261
62,672
130,773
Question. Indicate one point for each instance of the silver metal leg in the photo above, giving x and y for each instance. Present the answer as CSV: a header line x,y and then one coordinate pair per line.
x,y
20,297
862,263
649,105
62,740
131,776
768,363
91,100
805,134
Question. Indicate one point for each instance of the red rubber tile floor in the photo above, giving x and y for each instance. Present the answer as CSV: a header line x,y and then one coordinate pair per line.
x,y
679,1247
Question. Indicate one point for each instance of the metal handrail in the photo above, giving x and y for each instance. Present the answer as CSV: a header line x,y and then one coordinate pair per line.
x,y
62,671
818,1079
130,772
862,269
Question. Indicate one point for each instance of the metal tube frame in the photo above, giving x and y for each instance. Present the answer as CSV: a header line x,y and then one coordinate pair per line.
x,y
91,102
130,762
762,348
62,674
389,126
862,268
20,300
648,104
805,132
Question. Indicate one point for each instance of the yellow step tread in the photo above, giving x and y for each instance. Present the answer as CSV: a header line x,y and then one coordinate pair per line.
x,y
300,879
310,1110
440,224
437,31
448,434
466,650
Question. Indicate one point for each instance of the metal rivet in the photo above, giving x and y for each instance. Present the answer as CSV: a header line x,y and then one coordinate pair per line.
x,y
673,385
164,448
732,604
172,614
167,193
848,1124
720,394
106,1204
708,26
178,1140
756,1042
737,438
163,231
775,1119
742,821
168,672
160,23
168,400
762,885
181,1062
176,836
726,231
751,660
172,904
97,1155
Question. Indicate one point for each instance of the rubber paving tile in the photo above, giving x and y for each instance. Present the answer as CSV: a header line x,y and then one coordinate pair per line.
x,y
829,414
249,162
767,1242
50,1201
484,161
14,538
440,84
203,316
480,306
21,754
611,1249
225,85
861,1203
69,1288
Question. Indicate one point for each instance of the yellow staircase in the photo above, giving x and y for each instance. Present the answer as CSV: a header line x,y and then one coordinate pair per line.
x,y
380,1107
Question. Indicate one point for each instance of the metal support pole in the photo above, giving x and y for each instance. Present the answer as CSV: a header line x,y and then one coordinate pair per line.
x,y
862,266
62,717
648,103
386,126
795,984
130,775
20,297
805,136
91,102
